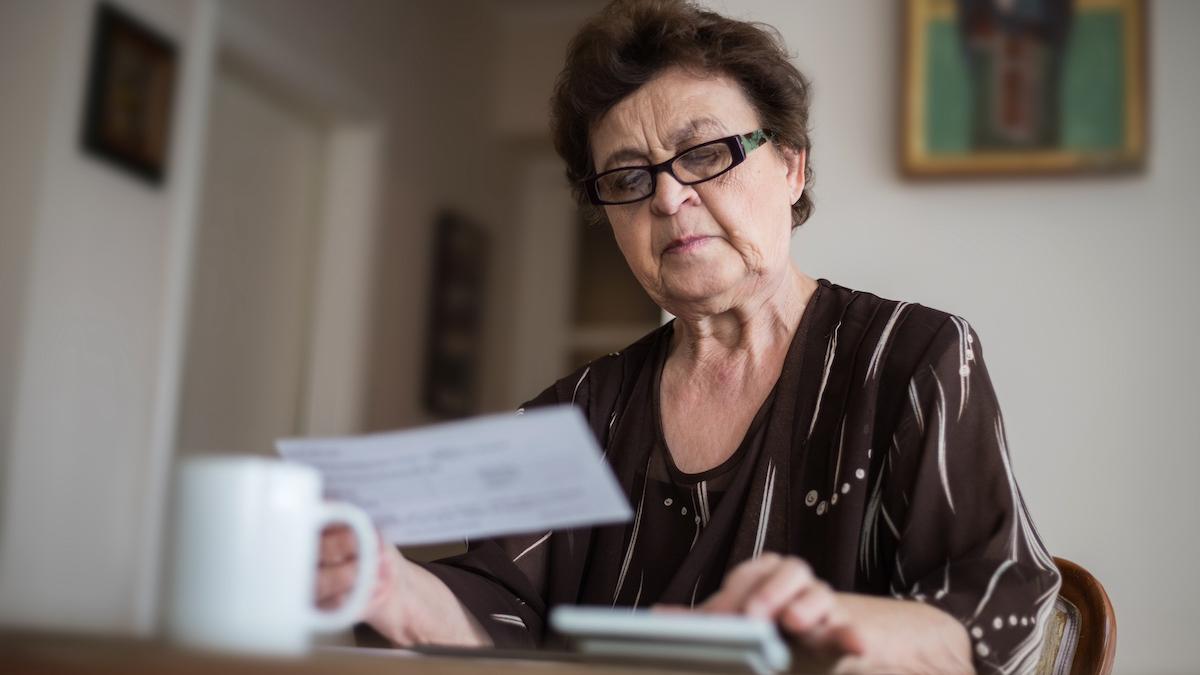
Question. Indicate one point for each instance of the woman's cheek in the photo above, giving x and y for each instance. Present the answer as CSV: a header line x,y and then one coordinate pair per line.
x,y
747,248
645,268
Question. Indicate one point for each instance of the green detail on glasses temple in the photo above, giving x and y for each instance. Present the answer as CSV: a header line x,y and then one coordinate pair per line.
x,y
697,164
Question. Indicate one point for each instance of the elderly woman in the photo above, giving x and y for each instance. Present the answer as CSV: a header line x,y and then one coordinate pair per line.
x,y
793,449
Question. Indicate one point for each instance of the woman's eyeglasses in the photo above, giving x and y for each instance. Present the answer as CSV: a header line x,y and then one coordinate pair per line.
x,y
695,165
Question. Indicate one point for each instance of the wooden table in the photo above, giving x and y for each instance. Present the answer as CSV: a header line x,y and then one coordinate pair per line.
x,y
30,653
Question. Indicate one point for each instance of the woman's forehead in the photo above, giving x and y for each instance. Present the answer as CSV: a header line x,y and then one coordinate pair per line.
x,y
672,111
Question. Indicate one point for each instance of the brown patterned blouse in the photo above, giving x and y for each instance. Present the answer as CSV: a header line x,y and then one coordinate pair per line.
x,y
879,457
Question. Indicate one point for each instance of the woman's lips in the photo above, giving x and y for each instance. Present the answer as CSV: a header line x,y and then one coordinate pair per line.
x,y
686,244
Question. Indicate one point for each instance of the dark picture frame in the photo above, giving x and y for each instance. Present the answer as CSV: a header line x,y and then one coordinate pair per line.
x,y
130,95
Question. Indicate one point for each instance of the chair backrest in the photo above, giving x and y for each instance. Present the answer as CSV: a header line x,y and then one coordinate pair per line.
x,y
1081,636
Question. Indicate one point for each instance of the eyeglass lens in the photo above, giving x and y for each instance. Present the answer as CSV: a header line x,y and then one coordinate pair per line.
x,y
694,166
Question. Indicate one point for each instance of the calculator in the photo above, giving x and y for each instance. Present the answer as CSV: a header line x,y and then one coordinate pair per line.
x,y
709,641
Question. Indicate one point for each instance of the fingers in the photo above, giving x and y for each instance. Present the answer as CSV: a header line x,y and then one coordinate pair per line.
x,y
762,587
337,566
338,545
334,581
785,590
817,621
811,606
790,581
333,603
338,569
740,583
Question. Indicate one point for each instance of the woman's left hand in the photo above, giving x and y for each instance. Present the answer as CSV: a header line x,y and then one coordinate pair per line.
x,y
841,632
785,590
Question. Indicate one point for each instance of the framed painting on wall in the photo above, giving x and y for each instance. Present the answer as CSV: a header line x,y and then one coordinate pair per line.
x,y
1023,86
131,84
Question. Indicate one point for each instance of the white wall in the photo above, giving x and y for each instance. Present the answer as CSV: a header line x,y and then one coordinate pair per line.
x,y
28,32
90,318
1083,291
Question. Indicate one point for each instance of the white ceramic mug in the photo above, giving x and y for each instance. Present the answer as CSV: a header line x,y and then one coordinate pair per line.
x,y
246,544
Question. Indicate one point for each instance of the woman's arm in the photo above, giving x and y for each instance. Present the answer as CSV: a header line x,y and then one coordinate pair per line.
x,y
951,525
902,636
423,610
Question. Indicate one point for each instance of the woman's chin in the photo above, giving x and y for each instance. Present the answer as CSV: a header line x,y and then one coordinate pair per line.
x,y
690,295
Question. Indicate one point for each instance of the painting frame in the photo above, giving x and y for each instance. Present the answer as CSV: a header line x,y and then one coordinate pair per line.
x,y
918,159
133,75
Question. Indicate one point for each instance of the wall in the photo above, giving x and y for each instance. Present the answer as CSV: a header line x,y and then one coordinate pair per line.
x,y
90,317
1081,289
28,32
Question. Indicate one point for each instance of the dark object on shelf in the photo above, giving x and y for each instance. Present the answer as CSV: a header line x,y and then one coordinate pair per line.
x,y
456,317
131,87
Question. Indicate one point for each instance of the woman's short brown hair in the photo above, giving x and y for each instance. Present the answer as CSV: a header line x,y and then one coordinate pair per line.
x,y
632,41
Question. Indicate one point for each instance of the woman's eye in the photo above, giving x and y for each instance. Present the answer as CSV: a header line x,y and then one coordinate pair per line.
x,y
632,181
704,159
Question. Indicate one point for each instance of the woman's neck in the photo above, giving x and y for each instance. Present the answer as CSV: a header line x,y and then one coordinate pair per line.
x,y
752,333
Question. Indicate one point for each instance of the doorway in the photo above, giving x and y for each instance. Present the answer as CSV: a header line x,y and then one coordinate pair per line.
x,y
245,373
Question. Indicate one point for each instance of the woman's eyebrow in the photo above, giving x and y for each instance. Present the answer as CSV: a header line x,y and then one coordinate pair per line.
x,y
625,157
691,132
696,130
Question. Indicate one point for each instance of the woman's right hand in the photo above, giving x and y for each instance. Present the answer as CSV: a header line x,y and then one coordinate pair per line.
x,y
337,570
408,605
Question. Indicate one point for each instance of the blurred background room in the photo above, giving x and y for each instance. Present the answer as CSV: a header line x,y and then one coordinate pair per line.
x,y
226,221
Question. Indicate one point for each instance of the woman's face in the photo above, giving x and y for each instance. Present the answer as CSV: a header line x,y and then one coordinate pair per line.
x,y
706,248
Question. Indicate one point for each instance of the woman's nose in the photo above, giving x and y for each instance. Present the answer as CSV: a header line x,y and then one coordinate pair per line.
x,y
669,194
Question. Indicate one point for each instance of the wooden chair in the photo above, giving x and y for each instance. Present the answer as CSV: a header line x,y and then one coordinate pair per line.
x,y
1081,635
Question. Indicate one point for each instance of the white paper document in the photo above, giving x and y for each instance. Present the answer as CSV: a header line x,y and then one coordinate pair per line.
x,y
489,476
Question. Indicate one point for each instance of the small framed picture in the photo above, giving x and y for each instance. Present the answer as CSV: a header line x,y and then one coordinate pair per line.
x,y
131,86
1023,86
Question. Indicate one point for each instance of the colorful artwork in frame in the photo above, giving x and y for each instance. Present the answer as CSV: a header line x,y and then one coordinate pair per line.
x,y
127,121
1023,87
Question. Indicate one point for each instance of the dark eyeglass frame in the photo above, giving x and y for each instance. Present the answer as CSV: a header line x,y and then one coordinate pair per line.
x,y
739,146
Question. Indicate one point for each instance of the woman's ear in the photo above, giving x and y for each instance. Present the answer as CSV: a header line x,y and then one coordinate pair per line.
x,y
794,161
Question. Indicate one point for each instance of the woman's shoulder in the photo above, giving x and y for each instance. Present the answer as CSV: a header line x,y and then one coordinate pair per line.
x,y
885,327
895,316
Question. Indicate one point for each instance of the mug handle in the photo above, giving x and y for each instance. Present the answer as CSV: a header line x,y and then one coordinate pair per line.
x,y
368,561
